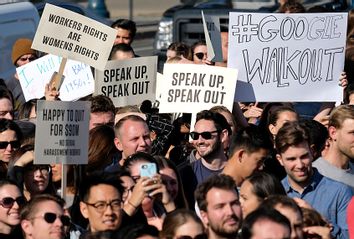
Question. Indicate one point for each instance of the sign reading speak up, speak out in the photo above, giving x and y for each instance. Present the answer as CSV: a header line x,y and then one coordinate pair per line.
x,y
190,88
129,81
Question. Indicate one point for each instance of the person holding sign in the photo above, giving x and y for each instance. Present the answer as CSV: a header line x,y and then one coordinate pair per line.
x,y
126,30
121,51
22,53
102,111
10,140
200,54
35,179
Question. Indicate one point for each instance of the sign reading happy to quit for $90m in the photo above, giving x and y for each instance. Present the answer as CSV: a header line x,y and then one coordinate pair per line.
x,y
62,132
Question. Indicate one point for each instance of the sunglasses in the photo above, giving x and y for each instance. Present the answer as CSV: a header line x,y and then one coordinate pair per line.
x,y
199,236
50,217
205,135
5,112
14,144
31,58
8,202
44,169
199,55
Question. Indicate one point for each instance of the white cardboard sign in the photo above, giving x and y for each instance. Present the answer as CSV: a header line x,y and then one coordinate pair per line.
x,y
190,88
212,35
70,35
129,81
287,57
62,132
35,75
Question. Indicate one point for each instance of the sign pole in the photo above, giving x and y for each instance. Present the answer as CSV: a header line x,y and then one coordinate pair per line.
x,y
64,168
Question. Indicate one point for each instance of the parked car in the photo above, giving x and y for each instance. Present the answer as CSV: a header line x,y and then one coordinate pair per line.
x,y
75,7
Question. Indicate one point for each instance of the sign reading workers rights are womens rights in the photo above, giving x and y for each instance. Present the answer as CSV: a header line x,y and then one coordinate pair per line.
x,y
287,57
70,35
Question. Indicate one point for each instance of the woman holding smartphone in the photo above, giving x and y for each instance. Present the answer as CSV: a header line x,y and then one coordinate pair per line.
x,y
149,192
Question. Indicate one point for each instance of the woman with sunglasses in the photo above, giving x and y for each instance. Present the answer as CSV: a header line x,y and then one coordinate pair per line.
x,y
200,53
11,201
10,140
33,179
183,224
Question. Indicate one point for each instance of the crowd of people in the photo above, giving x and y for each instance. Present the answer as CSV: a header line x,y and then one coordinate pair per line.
x,y
264,170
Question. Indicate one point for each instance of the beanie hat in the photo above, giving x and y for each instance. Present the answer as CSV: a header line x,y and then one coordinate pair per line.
x,y
21,47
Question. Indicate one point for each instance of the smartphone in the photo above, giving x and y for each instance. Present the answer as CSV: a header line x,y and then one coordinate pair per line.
x,y
148,170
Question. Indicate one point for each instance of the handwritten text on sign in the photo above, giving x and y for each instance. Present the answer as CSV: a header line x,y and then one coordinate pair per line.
x,y
62,132
281,55
36,74
190,88
71,35
128,82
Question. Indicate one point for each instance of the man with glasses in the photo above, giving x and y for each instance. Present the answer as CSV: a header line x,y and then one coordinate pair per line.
x,y
101,202
43,218
211,130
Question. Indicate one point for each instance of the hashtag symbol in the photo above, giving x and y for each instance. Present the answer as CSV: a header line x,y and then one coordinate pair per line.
x,y
244,29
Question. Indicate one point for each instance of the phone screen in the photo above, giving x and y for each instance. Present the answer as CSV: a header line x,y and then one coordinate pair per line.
x,y
148,170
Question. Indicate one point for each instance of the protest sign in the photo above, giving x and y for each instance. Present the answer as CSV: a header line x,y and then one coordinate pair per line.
x,y
129,81
212,35
190,88
35,75
287,57
62,132
70,35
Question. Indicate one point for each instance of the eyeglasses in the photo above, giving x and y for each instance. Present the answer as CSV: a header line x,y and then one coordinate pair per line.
x,y
205,135
199,236
14,144
8,202
5,112
30,58
101,206
44,169
200,55
50,217
126,192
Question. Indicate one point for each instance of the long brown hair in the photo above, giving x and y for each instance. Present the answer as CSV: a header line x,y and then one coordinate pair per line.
x,y
101,148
